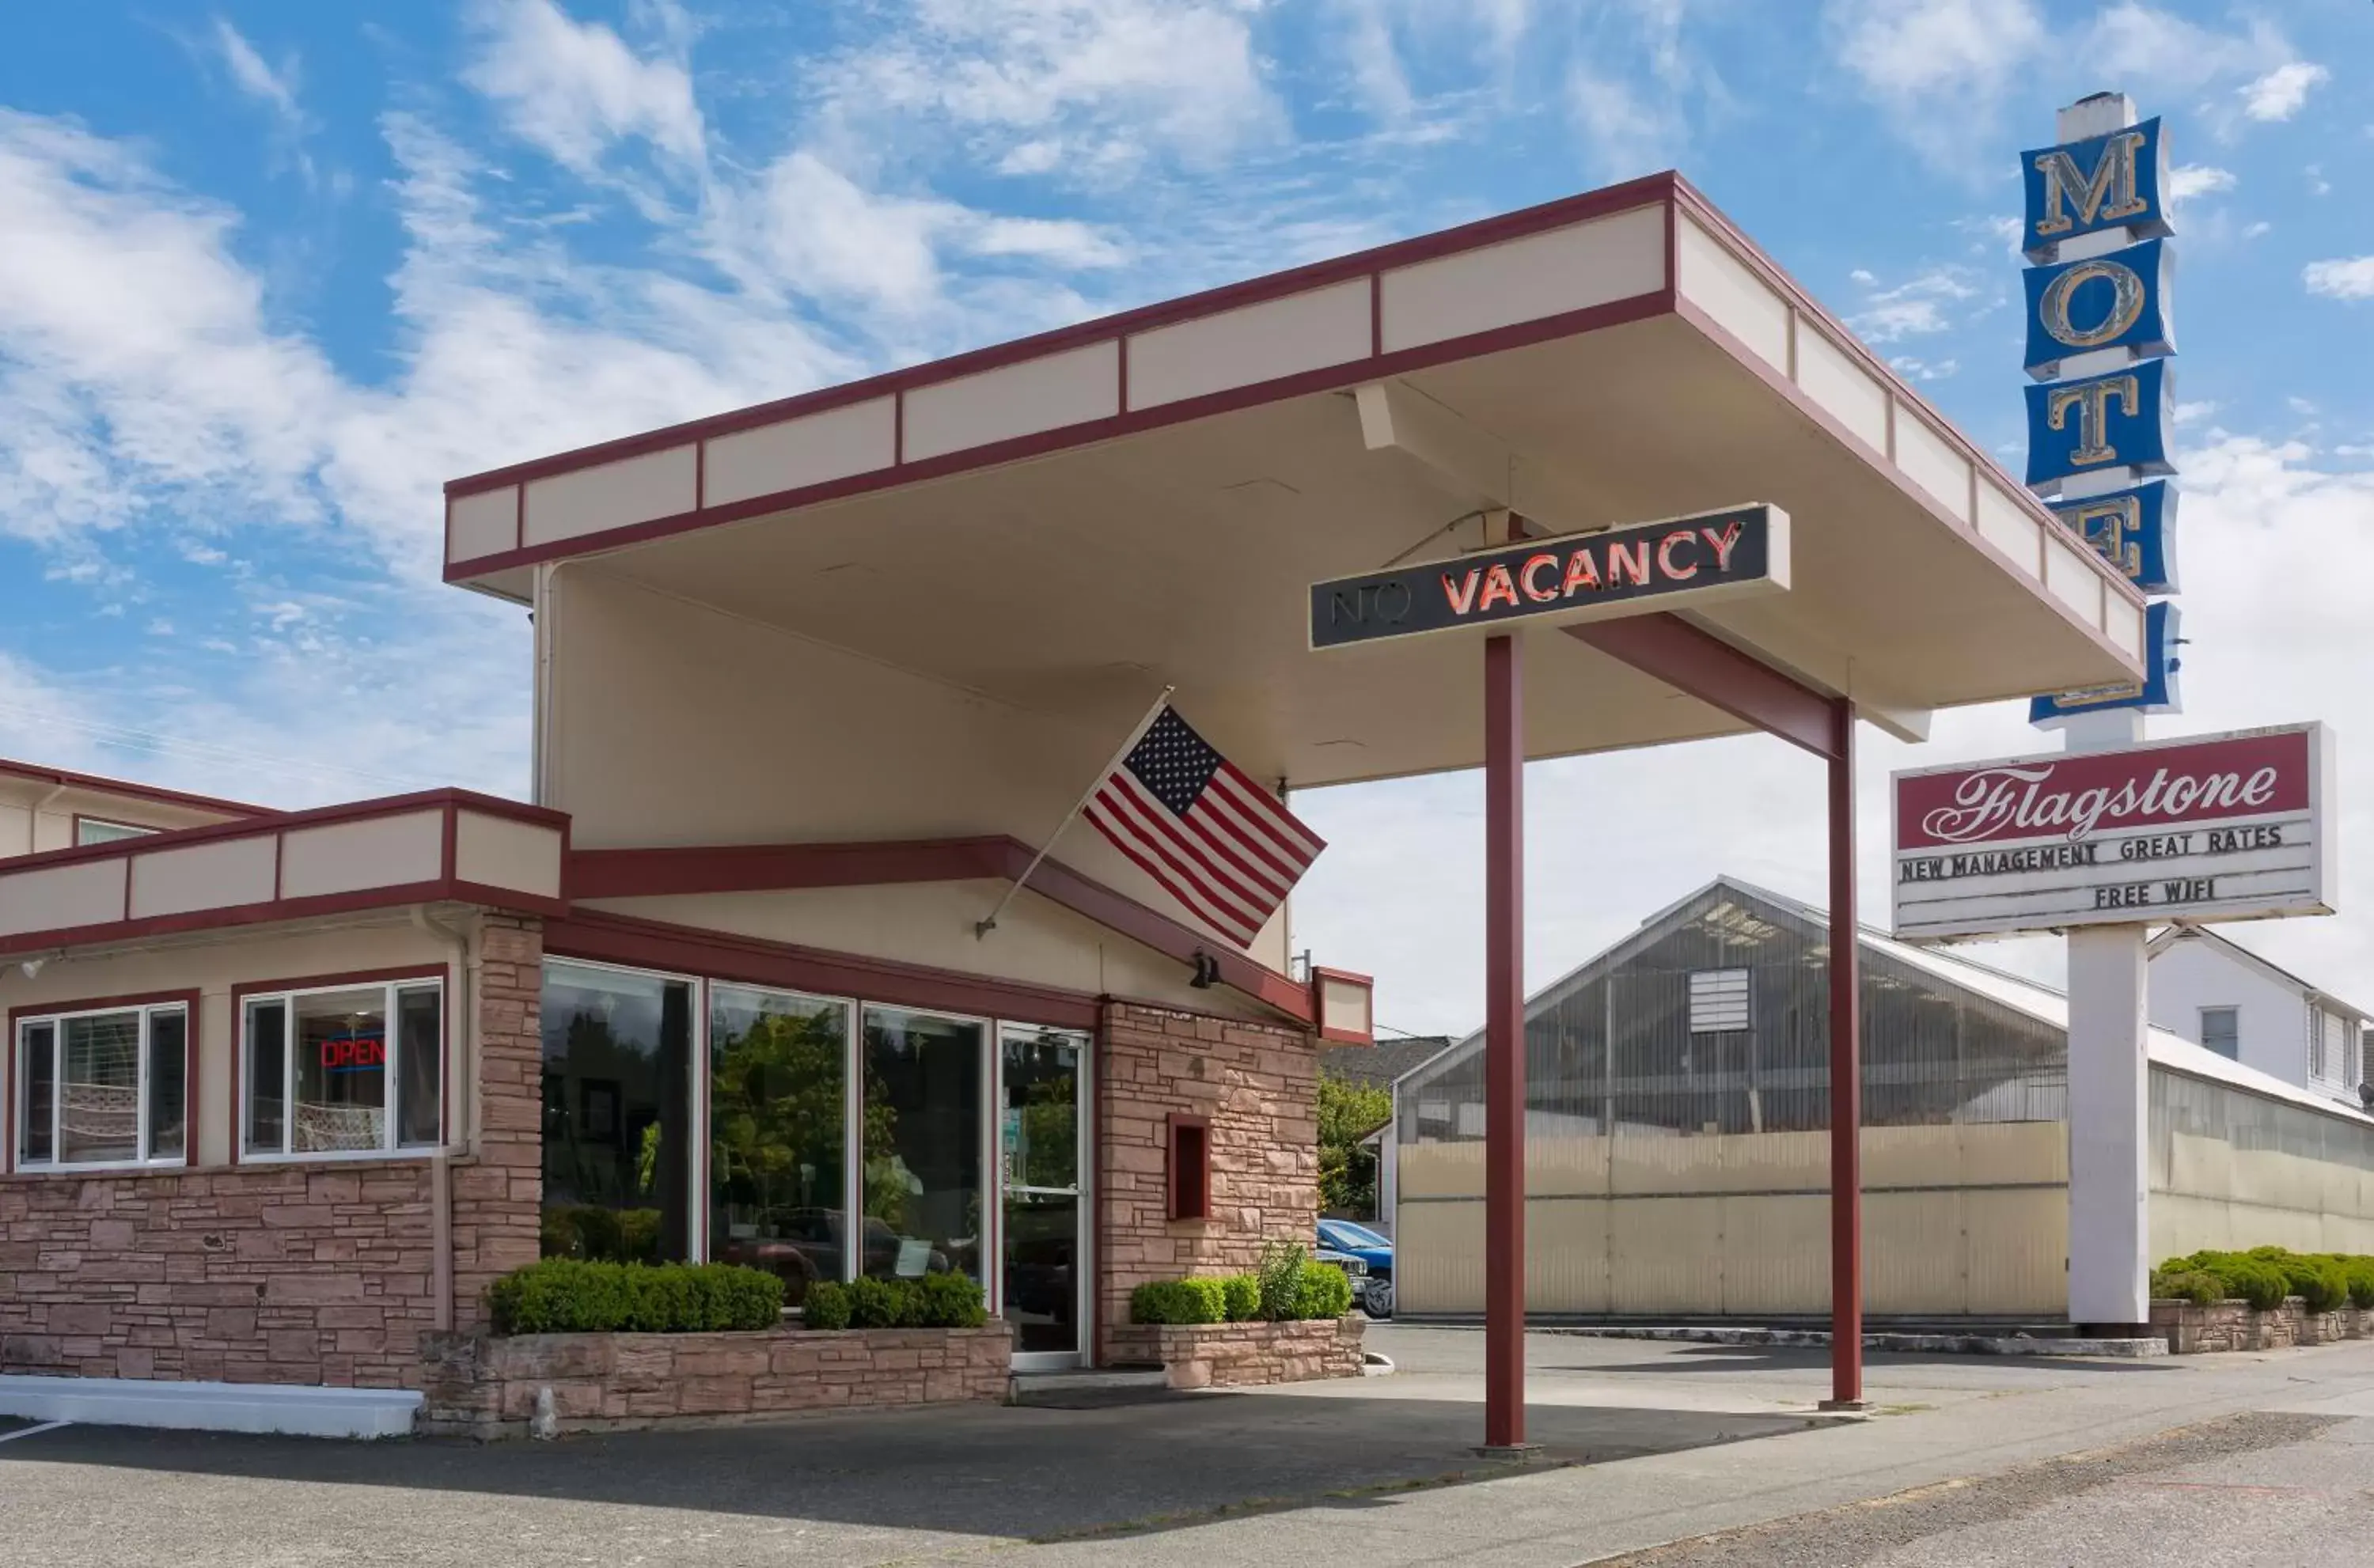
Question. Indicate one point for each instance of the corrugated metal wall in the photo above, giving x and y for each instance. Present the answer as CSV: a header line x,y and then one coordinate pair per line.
x,y
1970,1219
2232,1169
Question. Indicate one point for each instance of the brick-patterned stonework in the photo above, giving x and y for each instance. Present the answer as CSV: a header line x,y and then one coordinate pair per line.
x,y
487,1386
1260,1087
262,1274
1234,1355
2235,1325
499,1195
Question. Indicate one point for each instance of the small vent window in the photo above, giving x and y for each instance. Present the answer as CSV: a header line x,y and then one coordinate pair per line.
x,y
1718,1001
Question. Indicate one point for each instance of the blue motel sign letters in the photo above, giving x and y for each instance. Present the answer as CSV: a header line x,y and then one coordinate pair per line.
x,y
2109,312
2099,422
2114,301
2110,181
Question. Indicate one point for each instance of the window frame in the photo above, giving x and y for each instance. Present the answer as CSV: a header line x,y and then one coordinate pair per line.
x,y
391,982
853,1160
695,1073
55,1014
2233,1011
123,830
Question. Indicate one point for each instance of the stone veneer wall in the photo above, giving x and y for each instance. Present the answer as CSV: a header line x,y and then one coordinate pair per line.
x,y
303,1273
498,1193
1259,1085
262,1274
1234,1355
487,1386
2236,1325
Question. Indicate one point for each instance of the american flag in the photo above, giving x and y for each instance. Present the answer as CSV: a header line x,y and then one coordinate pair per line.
x,y
1216,841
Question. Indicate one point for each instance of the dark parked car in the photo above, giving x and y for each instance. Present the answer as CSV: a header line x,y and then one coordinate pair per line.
x,y
1376,1291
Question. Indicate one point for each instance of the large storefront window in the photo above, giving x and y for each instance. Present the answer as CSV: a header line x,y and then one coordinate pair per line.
x,y
925,1096
106,1088
354,1070
778,1108
617,1121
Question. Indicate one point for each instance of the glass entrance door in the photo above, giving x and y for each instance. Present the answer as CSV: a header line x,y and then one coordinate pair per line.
x,y
1042,1092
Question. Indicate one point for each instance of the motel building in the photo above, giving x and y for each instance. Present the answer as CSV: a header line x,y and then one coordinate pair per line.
x,y
814,685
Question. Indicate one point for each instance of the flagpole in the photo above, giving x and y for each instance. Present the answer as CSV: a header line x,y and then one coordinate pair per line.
x,y
1137,731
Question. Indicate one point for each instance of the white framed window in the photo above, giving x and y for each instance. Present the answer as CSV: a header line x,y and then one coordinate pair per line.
x,y
2324,1041
349,1071
1719,1001
104,1087
2221,1031
97,830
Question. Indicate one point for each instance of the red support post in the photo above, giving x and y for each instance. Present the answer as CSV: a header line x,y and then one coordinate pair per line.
x,y
1846,1081
1504,1047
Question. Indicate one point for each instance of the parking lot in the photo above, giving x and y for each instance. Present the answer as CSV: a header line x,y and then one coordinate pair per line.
x,y
1169,1480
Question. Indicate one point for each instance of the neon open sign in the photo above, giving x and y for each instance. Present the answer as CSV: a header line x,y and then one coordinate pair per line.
x,y
1575,577
354,1053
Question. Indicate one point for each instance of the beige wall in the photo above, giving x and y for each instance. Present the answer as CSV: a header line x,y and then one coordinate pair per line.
x,y
212,968
671,723
932,923
35,815
1740,1223
2216,1195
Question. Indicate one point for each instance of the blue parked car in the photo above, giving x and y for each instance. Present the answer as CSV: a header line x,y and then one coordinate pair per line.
x,y
1358,1241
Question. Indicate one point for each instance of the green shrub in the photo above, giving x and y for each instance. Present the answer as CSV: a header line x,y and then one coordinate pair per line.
x,y
2359,1272
2320,1282
2199,1288
1179,1301
2255,1281
880,1303
566,1295
1326,1291
1281,1281
1241,1297
826,1306
951,1301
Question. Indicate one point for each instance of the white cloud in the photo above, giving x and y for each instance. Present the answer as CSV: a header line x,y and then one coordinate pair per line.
x,y
575,89
2349,279
1095,88
2187,180
2191,412
1915,307
2279,94
2253,231
275,89
1939,67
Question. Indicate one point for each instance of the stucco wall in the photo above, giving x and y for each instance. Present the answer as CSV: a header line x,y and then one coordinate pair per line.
x,y
670,723
36,815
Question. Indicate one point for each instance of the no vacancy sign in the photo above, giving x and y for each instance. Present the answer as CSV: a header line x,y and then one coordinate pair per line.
x,y
1677,564
2212,827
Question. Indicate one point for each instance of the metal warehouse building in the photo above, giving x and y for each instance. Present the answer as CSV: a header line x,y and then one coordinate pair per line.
x,y
1677,1146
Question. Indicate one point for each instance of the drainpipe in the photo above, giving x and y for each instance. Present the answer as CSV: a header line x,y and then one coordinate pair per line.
x,y
441,1168
33,818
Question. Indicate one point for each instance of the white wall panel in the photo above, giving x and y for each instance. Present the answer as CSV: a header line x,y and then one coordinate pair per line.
x,y
613,495
1523,280
1243,347
814,448
1046,394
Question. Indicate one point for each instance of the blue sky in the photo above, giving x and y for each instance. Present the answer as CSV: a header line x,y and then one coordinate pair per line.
x,y
275,271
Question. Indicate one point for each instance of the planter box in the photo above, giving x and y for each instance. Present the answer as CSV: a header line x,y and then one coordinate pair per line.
x,y
488,1387
2233,1325
1234,1355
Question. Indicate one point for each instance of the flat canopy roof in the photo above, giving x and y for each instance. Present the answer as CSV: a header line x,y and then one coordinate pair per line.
x,y
1069,521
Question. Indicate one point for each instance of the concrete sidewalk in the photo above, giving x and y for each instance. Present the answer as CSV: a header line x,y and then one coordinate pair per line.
x,y
1646,1443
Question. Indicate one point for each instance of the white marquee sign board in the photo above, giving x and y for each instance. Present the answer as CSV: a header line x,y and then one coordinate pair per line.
x,y
2209,827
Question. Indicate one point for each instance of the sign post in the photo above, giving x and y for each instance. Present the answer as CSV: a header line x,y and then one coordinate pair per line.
x,y
2098,307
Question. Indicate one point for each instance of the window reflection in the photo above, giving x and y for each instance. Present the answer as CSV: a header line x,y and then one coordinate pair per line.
x,y
618,1060
923,1100
776,1105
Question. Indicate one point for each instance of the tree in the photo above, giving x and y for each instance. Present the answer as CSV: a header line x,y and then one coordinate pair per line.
x,y
1348,1173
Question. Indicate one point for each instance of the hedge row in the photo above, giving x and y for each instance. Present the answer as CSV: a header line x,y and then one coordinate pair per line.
x,y
565,1295
934,1300
1285,1288
2325,1282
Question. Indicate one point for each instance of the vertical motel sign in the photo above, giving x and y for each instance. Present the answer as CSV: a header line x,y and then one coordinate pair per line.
x,y
2098,338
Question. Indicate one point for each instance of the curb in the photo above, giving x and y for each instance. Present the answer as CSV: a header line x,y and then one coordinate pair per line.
x,y
2143,1349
